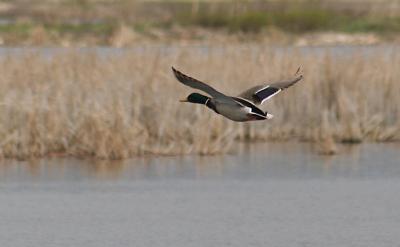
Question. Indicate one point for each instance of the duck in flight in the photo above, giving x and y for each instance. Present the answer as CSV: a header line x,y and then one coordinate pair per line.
x,y
241,108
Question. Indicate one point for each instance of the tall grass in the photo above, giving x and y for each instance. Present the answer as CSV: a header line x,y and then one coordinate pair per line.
x,y
119,105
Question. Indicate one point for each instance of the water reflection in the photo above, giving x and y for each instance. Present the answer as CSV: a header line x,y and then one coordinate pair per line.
x,y
255,161
104,169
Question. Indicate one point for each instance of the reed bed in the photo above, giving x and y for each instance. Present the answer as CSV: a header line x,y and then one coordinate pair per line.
x,y
124,103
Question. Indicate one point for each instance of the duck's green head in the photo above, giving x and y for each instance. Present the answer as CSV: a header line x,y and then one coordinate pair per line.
x,y
196,98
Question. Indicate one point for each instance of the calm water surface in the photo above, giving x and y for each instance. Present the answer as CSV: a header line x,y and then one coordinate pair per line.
x,y
201,50
264,195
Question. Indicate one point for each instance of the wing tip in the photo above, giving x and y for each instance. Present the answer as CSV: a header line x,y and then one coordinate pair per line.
x,y
176,72
181,76
299,73
298,70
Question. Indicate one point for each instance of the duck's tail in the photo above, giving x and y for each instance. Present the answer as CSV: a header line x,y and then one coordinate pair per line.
x,y
268,115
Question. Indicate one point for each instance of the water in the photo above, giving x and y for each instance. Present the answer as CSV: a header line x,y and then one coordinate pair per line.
x,y
204,50
265,195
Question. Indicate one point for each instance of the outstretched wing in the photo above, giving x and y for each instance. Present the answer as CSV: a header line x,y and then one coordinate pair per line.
x,y
194,83
261,93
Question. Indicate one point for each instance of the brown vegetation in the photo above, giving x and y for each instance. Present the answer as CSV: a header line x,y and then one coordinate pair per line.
x,y
129,22
119,105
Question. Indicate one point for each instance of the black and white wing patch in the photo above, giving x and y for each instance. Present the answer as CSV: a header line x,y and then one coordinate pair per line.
x,y
254,109
265,93
259,94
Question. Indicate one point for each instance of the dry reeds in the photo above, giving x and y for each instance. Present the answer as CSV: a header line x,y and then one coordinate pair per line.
x,y
121,103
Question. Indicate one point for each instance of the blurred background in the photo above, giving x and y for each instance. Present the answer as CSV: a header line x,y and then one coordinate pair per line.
x,y
97,150
99,82
129,22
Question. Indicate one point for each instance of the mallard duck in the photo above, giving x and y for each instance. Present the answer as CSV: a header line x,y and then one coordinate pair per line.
x,y
240,108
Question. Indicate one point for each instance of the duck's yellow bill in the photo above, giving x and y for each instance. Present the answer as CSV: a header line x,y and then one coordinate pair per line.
x,y
183,100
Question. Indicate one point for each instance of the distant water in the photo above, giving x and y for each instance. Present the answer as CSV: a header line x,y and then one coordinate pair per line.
x,y
335,50
265,195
